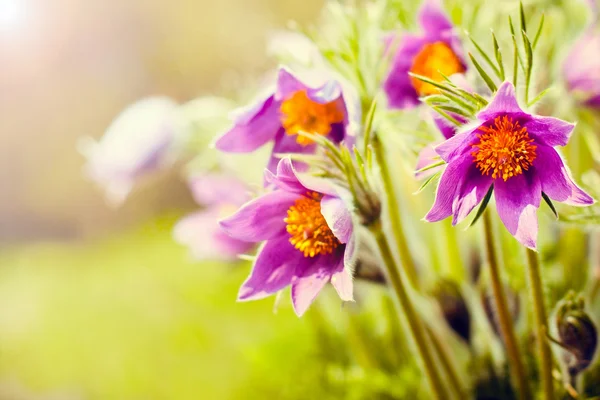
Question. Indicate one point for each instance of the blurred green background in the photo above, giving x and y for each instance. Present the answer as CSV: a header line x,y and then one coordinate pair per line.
x,y
100,303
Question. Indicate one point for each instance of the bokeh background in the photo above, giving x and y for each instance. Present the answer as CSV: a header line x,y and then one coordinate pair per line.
x,y
97,302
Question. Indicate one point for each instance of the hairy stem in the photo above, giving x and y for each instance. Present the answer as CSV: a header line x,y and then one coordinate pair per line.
x,y
541,318
504,318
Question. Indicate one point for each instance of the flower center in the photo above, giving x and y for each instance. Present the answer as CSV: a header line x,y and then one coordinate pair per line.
x,y
504,149
434,61
301,114
308,229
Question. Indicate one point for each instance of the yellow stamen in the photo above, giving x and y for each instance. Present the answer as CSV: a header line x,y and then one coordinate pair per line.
x,y
432,61
301,114
308,229
504,149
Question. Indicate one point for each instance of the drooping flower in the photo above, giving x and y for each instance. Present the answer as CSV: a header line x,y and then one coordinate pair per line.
x,y
140,140
308,237
291,107
436,51
220,195
513,151
582,67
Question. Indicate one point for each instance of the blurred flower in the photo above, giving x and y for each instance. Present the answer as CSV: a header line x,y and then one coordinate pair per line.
x,y
582,68
291,107
511,151
428,156
309,238
434,53
454,307
219,195
577,334
140,140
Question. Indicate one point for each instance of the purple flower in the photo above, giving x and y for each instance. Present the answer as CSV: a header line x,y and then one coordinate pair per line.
x,y
220,195
289,108
513,151
436,51
582,68
428,156
308,235
140,140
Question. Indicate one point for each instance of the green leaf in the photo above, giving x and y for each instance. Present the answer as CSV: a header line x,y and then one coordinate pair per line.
x,y
447,116
486,57
529,54
431,166
550,204
484,75
522,17
369,123
498,55
539,32
483,205
539,96
427,182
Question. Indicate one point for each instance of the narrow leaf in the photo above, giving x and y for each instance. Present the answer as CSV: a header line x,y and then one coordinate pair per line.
x,y
369,123
550,204
522,17
427,182
498,55
483,74
447,116
539,32
486,57
483,206
430,166
539,96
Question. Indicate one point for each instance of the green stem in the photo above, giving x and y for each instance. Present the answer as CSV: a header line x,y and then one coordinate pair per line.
x,y
415,325
446,361
541,318
504,317
394,212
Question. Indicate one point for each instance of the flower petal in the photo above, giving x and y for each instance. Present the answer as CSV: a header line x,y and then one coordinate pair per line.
x,y
274,268
338,217
253,127
319,85
427,157
549,131
458,143
398,86
474,188
311,280
285,144
447,190
556,180
214,189
517,201
504,102
342,282
432,18
201,233
260,219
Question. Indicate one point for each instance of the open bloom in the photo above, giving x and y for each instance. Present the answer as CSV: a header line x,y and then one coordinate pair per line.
x,y
138,141
436,51
513,151
308,237
290,107
582,67
220,195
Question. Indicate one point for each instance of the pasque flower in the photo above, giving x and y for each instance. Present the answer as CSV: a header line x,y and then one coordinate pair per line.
x,y
433,53
291,107
582,67
219,195
308,237
513,151
140,140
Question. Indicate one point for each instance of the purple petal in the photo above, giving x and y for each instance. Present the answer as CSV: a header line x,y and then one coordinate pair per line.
x,y
432,18
426,157
556,180
215,189
285,144
274,268
253,127
447,189
260,219
549,131
320,87
471,192
312,279
201,233
342,282
398,86
349,253
504,102
285,177
459,143
338,217
447,128
581,71
517,201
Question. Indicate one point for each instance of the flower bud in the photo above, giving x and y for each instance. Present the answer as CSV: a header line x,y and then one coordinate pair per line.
x,y
577,334
454,308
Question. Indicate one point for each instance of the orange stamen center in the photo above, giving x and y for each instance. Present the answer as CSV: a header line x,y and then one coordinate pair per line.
x,y
432,61
301,114
504,149
308,229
